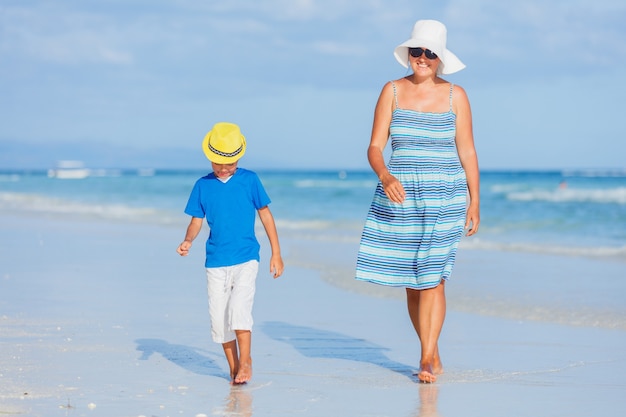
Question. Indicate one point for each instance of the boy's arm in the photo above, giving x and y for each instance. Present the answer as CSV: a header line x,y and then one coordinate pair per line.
x,y
192,232
276,262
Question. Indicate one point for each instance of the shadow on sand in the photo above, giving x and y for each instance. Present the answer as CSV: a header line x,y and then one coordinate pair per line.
x,y
186,357
317,343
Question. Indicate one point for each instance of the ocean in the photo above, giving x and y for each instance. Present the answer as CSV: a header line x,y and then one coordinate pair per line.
x,y
577,213
578,217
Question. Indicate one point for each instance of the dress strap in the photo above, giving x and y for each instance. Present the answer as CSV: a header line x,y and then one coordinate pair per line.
x,y
395,96
451,87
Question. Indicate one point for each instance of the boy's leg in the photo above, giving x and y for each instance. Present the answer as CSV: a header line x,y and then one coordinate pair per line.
x,y
219,291
244,372
230,351
241,302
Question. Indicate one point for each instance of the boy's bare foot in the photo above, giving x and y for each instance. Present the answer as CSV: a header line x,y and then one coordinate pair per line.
x,y
426,374
245,372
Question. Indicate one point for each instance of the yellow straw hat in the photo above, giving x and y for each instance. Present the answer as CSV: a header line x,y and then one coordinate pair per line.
x,y
224,144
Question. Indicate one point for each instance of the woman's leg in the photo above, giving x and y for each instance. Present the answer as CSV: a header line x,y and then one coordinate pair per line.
x,y
427,310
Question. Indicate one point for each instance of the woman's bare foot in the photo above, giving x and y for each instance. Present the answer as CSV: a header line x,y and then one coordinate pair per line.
x,y
426,374
437,367
245,372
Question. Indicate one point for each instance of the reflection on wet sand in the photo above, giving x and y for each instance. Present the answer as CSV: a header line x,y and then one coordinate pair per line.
x,y
428,401
238,402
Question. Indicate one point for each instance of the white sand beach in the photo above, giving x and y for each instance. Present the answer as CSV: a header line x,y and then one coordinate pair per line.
x,y
105,319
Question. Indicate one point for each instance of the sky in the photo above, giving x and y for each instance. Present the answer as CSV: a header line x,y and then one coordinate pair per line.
x,y
138,83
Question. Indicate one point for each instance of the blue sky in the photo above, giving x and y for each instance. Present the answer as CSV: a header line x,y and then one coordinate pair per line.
x,y
123,83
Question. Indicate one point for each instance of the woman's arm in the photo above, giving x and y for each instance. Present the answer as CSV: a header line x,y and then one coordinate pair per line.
x,y
467,156
380,135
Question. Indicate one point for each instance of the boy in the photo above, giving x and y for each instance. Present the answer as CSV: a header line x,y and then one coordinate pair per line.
x,y
228,198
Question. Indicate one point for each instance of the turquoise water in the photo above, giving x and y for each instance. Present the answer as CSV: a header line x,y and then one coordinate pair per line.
x,y
551,245
577,213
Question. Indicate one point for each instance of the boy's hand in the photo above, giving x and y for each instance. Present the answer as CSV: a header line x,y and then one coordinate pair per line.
x,y
183,248
276,266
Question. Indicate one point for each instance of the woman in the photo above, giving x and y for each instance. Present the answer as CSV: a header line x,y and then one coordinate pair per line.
x,y
420,206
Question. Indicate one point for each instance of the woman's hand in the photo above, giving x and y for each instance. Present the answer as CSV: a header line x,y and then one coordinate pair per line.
x,y
393,188
472,220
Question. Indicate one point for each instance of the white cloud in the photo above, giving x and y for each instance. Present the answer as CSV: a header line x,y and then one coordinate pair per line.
x,y
302,10
174,60
548,32
340,49
61,36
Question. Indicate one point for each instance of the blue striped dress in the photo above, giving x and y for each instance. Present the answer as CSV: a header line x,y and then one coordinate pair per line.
x,y
414,244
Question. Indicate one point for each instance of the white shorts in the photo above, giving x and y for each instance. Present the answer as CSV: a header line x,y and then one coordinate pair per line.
x,y
231,295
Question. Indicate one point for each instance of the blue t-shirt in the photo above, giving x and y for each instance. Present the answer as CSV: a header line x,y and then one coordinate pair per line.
x,y
230,210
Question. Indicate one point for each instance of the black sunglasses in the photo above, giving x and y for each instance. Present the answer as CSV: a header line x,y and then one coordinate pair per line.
x,y
417,52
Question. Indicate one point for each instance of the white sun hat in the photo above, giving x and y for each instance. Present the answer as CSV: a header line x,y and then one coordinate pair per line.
x,y
430,34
